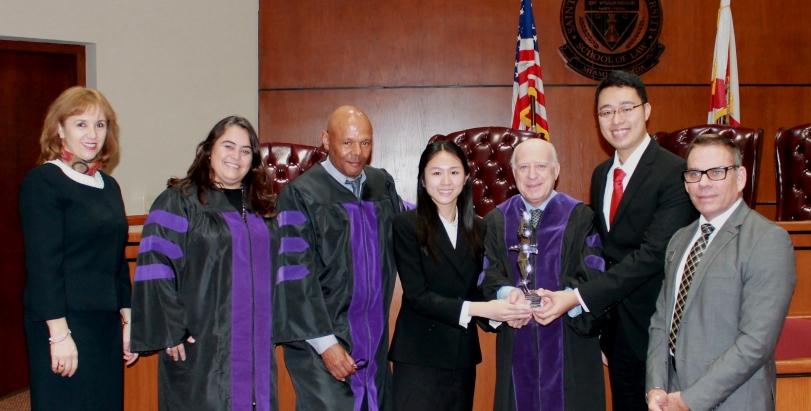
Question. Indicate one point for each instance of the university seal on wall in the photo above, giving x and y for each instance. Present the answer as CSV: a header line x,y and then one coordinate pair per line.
x,y
606,35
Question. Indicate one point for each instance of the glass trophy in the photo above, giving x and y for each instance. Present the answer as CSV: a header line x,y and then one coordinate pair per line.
x,y
524,249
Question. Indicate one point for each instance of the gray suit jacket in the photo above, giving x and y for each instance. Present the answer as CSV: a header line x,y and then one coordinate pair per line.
x,y
733,316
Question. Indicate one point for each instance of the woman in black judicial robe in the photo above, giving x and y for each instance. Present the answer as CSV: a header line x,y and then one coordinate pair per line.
x,y
203,282
77,294
439,252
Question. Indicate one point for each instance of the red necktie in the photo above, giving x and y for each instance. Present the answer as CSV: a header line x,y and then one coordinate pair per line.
x,y
616,196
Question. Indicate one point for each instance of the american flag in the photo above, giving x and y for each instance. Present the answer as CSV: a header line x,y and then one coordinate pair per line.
x,y
527,81
725,104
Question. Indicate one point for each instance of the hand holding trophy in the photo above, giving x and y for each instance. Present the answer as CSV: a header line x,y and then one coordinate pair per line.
x,y
525,247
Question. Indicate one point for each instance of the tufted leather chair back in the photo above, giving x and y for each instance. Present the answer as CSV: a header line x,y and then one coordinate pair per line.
x,y
488,151
748,140
793,152
286,161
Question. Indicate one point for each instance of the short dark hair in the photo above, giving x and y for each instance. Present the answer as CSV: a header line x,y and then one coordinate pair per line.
x,y
705,140
619,78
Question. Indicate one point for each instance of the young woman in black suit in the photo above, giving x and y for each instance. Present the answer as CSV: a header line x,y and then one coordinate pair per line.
x,y
439,252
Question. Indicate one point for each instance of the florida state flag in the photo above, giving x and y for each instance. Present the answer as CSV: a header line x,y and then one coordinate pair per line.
x,y
725,105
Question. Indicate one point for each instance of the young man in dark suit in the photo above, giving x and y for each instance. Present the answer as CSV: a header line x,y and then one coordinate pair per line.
x,y
639,202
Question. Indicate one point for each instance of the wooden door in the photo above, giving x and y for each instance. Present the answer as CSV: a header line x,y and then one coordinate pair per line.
x,y
32,75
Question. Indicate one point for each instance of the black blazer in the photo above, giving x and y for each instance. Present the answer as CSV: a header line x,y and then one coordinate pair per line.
x,y
654,205
427,331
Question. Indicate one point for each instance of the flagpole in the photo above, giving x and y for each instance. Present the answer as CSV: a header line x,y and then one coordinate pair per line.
x,y
533,126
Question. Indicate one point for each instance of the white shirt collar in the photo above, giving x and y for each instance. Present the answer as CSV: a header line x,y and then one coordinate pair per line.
x,y
722,218
630,163
541,207
340,177
95,181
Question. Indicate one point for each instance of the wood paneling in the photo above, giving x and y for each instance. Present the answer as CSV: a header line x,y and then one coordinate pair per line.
x,y
314,44
792,393
421,68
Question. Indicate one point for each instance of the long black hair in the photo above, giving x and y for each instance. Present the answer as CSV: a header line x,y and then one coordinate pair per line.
x,y
256,182
427,215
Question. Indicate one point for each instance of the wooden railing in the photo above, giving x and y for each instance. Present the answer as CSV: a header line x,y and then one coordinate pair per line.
x,y
793,383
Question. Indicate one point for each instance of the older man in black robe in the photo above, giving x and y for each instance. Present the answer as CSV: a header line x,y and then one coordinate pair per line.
x,y
555,367
331,311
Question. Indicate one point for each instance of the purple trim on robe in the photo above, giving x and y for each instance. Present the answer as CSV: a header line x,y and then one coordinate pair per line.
x,y
408,206
168,220
366,311
241,314
250,313
291,273
292,217
537,365
160,245
595,263
263,332
154,272
485,266
594,241
292,245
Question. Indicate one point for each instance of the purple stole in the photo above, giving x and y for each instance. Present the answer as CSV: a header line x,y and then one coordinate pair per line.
x,y
537,366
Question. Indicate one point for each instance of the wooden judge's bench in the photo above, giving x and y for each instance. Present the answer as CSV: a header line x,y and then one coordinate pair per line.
x,y
793,351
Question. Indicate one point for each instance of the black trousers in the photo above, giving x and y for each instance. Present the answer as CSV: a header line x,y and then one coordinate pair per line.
x,y
419,388
626,372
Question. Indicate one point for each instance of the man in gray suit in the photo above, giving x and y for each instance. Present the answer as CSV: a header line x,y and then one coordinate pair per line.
x,y
728,283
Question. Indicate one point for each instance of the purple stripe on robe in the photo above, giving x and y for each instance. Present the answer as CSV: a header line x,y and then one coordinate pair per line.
x,y
153,272
537,365
366,311
594,241
595,263
408,206
291,218
241,314
485,266
262,293
291,272
168,220
292,245
160,245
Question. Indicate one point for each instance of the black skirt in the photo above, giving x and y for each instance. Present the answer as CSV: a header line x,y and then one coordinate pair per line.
x,y
98,383
418,387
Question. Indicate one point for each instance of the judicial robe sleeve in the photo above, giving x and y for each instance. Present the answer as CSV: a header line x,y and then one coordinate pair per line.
x,y
159,315
497,268
583,262
300,312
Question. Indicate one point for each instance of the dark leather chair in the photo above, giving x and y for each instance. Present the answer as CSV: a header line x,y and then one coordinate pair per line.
x,y
793,155
488,151
286,161
748,140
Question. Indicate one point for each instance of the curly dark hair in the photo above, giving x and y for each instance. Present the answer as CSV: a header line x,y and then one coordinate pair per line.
x,y
257,182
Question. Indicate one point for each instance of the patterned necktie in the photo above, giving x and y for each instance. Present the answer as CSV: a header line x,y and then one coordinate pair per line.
x,y
616,195
536,217
356,187
686,279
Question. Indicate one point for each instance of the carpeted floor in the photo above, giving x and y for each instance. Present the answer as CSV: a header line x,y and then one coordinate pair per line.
x,y
18,401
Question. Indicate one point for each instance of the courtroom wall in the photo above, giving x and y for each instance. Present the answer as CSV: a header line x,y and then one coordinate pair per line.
x,y
171,70
419,68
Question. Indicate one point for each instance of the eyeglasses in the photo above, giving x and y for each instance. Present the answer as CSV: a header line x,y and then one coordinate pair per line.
x,y
623,111
714,174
